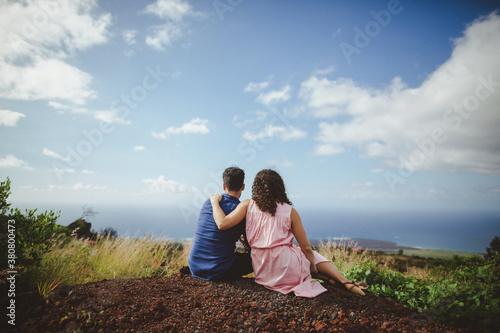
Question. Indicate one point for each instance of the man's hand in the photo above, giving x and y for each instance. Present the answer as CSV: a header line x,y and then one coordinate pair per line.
x,y
215,198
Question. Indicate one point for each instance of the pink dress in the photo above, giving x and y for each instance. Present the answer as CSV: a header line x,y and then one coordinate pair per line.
x,y
277,263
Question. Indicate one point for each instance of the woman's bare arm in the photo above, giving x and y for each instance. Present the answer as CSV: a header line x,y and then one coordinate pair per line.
x,y
236,216
300,235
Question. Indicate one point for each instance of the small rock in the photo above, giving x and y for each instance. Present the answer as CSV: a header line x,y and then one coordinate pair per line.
x,y
308,313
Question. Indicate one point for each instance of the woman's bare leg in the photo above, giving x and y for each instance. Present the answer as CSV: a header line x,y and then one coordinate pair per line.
x,y
328,270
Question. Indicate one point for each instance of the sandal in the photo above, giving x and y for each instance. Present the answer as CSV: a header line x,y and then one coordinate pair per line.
x,y
360,285
357,287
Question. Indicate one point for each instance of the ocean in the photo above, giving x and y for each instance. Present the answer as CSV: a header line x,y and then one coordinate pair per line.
x,y
455,231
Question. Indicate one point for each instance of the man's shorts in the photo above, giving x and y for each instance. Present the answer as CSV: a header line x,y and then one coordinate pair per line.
x,y
241,266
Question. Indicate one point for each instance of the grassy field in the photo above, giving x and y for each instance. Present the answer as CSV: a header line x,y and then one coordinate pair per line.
x,y
463,290
78,261
434,254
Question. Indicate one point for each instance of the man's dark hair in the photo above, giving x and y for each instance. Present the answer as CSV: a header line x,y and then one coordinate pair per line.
x,y
234,178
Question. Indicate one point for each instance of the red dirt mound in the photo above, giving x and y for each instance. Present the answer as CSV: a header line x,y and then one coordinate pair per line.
x,y
181,303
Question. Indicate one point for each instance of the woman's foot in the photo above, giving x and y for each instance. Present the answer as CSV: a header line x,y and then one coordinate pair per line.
x,y
356,287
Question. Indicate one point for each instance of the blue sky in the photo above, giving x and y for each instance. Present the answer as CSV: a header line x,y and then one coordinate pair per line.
x,y
366,105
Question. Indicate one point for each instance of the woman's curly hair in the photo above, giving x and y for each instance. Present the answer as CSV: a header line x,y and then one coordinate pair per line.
x,y
268,190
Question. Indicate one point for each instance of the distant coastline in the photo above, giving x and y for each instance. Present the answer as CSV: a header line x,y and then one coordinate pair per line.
x,y
365,243
375,245
390,248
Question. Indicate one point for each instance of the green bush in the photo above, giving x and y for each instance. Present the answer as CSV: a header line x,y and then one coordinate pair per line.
x,y
467,294
29,231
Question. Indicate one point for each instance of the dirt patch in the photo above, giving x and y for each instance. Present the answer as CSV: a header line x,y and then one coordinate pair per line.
x,y
181,303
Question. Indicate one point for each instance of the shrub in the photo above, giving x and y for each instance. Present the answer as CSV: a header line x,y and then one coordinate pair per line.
x,y
32,231
494,247
467,296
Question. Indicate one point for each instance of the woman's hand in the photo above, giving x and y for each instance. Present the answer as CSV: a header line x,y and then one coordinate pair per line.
x,y
314,270
236,216
215,198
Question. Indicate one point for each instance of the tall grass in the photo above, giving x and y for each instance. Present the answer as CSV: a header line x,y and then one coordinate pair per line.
x,y
465,291
80,261
77,261
346,255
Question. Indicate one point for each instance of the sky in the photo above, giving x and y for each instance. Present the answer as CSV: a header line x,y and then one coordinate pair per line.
x,y
360,105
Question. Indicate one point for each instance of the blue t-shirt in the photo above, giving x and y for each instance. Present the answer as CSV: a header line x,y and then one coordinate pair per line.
x,y
212,252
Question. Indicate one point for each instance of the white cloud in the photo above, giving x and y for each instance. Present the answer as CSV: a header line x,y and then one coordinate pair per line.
x,y
281,164
111,117
174,12
366,184
139,148
328,149
275,96
195,126
87,172
324,71
270,131
128,53
450,122
163,36
59,106
67,107
10,118
45,79
37,37
249,117
80,187
53,154
330,98
336,32
10,161
162,185
252,86
63,171
129,36
176,75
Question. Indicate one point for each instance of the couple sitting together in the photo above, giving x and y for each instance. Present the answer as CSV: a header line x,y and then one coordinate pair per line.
x,y
266,225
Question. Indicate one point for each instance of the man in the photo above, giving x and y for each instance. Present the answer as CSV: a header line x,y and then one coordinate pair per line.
x,y
213,255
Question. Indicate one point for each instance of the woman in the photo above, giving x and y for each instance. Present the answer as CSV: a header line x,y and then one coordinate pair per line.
x,y
271,225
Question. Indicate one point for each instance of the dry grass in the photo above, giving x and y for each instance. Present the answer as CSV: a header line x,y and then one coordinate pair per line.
x,y
80,261
345,254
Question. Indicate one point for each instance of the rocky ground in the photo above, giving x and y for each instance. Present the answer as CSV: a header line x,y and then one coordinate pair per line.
x,y
180,303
